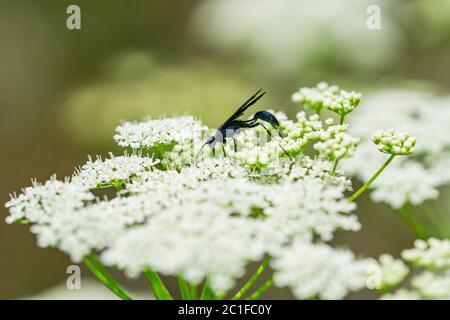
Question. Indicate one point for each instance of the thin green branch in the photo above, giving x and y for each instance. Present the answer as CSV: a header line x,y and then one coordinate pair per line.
x,y
333,172
252,279
193,289
207,293
436,221
159,289
185,290
266,286
103,275
336,161
368,183
407,214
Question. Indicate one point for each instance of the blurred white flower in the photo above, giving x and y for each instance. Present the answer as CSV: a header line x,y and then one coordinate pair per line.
x,y
432,254
415,178
432,286
401,294
290,34
393,271
432,257
317,270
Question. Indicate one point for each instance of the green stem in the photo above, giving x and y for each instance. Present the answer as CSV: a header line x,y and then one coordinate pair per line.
x,y
438,225
185,290
333,172
207,293
252,279
159,289
102,274
336,161
193,289
368,183
407,214
266,286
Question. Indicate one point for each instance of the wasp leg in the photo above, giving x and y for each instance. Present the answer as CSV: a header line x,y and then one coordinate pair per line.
x,y
270,135
235,145
223,148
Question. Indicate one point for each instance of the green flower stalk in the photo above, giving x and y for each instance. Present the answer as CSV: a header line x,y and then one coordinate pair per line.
x,y
391,143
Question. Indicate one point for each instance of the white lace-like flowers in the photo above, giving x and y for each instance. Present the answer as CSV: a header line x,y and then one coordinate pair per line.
x,y
394,143
331,97
433,258
319,271
314,98
420,176
344,103
115,170
335,143
433,254
392,272
158,132
209,219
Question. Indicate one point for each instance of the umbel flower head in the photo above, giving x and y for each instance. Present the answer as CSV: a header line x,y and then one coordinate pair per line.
x,y
344,103
390,272
394,143
331,97
263,196
432,258
420,176
313,98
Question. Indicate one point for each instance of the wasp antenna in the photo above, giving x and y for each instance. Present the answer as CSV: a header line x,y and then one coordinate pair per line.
x,y
287,153
279,132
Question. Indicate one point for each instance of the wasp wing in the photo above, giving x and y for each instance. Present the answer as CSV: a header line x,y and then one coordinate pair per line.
x,y
240,111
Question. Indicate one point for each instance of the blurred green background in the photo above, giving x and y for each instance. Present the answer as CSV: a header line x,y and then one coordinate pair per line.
x,y
62,92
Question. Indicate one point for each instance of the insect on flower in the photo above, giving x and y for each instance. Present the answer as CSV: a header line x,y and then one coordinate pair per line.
x,y
233,125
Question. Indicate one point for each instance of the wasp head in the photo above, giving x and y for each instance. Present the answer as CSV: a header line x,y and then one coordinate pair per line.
x,y
267,117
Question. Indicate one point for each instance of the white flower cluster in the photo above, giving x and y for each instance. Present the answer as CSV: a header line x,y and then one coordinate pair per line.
x,y
205,221
319,271
432,256
392,272
335,143
208,220
331,97
195,241
158,132
313,98
394,143
344,103
40,202
115,170
415,178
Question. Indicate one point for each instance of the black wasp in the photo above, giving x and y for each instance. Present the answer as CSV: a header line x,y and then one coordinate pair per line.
x,y
233,125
